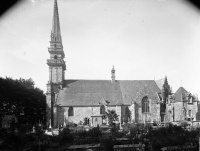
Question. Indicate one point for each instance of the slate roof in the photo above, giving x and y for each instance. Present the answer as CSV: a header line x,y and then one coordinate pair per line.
x,y
134,90
94,92
179,95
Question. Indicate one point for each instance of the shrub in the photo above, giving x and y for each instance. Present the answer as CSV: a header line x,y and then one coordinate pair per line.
x,y
95,132
107,144
171,136
65,136
184,124
22,128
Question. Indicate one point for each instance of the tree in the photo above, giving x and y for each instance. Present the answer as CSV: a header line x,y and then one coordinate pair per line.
x,y
21,99
112,117
86,121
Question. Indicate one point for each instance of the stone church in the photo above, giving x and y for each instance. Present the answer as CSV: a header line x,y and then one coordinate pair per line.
x,y
72,100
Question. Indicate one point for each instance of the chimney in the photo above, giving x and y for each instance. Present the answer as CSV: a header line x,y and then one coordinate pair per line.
x,y
113,74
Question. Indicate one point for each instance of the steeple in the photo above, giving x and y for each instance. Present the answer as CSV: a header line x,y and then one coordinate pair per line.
x,y
56,65
56,49
55,32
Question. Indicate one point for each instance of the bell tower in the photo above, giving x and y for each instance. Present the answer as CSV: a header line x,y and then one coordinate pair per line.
x,y
56,65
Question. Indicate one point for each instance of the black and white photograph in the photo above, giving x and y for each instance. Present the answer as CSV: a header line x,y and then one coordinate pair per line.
x,y
100,75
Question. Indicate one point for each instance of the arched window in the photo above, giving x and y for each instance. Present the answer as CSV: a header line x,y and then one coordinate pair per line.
x,y
145,104
55,57
71,111
127,115
102,110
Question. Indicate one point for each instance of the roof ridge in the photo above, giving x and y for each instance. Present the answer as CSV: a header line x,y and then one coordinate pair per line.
x,y
181,89
106,80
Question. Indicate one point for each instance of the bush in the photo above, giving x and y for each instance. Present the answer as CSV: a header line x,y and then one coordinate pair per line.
x,y
11,142
22,128
3,133
119,134
184,124
65,136
171,136
95,132
34,141
107,144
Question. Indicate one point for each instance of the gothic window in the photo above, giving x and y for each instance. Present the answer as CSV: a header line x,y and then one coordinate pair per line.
x,y
102,110
71,111
127,115
145,104
55,57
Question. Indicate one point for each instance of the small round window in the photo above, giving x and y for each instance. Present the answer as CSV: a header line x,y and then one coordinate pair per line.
x,y
55,57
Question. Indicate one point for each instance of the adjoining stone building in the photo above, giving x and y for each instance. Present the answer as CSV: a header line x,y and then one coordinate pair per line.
x,y
72,100
181,106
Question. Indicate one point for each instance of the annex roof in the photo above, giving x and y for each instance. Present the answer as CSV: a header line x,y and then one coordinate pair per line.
x,y
179,95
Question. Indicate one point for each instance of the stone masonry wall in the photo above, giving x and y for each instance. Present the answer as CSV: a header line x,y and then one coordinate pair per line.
x,y
178,111
155,111
152,116
79,113
194,109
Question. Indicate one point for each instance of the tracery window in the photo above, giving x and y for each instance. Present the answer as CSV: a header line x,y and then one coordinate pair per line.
x,y
71,111
145,104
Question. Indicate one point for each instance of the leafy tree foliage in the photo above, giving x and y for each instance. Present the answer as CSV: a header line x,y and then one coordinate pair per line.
x,y
21,99
112,116
172,136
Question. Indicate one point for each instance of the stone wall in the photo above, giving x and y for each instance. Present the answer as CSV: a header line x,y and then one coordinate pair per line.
x,y
154,111
136,114
132,110
174,111
178,111
170,112
56,74
79,113
194,109
139,117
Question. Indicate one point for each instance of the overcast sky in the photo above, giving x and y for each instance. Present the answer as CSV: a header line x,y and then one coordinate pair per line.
x,y
143,39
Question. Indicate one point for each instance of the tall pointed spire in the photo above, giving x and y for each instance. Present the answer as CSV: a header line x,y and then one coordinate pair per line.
x,y
55,32
56,65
